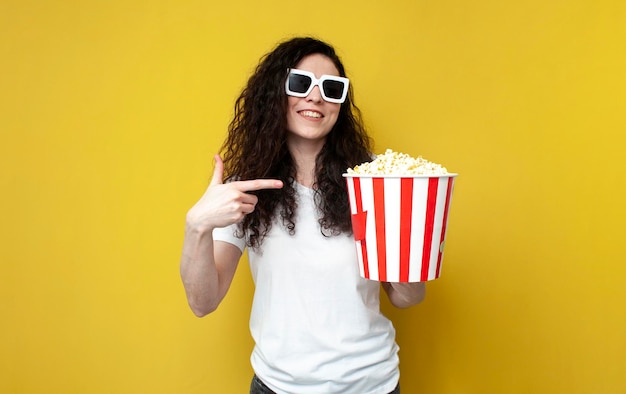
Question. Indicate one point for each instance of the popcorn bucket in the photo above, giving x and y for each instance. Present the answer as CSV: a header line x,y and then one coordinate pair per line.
x,y
399,225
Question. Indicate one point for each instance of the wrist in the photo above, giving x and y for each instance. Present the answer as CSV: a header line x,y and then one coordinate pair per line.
x,y
195,226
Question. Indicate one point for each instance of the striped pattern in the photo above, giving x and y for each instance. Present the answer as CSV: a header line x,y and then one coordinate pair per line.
x,y
400,225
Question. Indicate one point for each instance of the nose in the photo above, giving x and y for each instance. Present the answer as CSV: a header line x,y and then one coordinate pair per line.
x,y
315,95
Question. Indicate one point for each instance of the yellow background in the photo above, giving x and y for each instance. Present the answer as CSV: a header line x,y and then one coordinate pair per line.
x,y
110,112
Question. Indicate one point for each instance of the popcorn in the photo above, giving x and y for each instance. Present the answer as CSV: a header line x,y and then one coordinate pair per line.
x,y
398,164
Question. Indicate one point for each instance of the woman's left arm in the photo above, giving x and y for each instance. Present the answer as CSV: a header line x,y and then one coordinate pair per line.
x,y
404,295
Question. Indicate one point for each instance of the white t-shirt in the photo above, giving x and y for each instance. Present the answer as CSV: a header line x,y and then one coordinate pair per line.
x,y
316,323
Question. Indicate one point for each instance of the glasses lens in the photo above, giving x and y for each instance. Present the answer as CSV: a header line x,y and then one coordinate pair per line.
x,y
333,89
299,83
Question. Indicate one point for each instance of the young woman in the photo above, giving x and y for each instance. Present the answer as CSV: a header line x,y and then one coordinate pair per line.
x,y
279,191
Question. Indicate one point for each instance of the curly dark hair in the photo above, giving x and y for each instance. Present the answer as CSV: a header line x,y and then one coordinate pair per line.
x,y
256,146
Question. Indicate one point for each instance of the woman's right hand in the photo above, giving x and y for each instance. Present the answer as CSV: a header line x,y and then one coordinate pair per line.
x,y
224,204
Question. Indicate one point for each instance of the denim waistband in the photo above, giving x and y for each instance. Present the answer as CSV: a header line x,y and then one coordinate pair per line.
x,y
258,387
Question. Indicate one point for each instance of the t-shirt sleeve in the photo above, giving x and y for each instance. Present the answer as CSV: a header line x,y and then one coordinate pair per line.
x,y
228,234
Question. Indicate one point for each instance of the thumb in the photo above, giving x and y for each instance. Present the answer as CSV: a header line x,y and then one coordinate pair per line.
x,y
218,171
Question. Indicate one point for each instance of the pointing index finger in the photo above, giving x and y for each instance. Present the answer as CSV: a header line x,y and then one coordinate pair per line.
x,y
258,184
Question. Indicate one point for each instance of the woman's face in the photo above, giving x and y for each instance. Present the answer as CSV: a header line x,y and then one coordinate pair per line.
x,y
310,118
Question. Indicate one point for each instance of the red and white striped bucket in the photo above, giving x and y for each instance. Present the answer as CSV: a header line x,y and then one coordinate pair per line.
x,y
399,225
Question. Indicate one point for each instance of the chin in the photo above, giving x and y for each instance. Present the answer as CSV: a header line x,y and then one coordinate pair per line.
x,y
307,136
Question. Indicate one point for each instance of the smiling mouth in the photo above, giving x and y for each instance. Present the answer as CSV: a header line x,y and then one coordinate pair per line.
x,y
311,114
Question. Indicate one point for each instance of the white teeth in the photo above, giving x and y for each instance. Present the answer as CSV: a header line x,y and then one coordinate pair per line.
x,y
311,114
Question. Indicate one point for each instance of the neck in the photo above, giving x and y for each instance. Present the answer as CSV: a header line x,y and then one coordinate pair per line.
x,y
304,156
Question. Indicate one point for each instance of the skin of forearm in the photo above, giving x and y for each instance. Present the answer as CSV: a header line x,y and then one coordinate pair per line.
x,y
404,295
198,271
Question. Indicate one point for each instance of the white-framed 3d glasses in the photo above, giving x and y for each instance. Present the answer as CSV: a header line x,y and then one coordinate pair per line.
x,y
333,89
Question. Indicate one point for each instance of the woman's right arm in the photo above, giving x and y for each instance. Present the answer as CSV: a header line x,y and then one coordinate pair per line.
x,y
207,268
